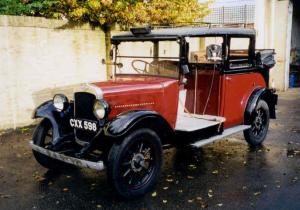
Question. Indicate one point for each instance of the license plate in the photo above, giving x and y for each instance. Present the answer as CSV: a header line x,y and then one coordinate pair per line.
x,y
84,125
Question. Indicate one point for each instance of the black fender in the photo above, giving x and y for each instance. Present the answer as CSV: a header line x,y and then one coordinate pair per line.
x,y
57,119
127,121
267,95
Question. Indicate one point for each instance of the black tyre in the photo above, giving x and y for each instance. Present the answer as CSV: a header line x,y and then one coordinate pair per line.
x,y
42,137
134,165
259,124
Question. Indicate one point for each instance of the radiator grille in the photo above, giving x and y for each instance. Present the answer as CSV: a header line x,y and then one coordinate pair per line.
x,y
84,103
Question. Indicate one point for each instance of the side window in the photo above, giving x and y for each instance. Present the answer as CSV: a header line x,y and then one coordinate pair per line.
x,y
239,54
205,50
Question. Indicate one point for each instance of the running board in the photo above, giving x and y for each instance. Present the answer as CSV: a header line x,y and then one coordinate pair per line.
x,y
226,132
99,166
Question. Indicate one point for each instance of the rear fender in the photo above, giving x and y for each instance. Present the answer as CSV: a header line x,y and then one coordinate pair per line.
x,y
126,122
57,119
265,94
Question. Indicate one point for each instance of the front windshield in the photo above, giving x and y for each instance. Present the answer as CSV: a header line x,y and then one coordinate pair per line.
x,y
148,58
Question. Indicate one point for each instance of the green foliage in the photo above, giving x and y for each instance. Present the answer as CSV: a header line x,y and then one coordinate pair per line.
x,y
132,12
45,8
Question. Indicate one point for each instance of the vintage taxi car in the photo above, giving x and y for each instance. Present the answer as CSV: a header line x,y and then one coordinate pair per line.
x,y
180,86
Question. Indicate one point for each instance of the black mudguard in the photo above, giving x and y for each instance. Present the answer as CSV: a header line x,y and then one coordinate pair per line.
x,y
57,119
125,122
266,94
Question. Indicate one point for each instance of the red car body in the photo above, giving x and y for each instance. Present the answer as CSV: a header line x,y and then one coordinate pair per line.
x,y
190,86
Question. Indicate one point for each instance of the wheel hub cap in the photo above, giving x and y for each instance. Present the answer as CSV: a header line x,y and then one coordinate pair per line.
x,y
138,162
258,122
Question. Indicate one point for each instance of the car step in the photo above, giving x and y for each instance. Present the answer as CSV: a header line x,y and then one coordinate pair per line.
x,y
226,132
99,166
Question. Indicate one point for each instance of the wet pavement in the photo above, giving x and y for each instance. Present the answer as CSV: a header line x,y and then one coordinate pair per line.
x,y
225,175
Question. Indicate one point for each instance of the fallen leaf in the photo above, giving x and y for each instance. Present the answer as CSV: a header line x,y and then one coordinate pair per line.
x,y
165,201
190,177
165,188
210,193
215,172
191,201
220,204
65,189
24,130
154,194
5,196
99,206
204,205
199,198
193,167
180,191
257,193
170,180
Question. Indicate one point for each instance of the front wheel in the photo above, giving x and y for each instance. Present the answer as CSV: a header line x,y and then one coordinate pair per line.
x,y
259,124
134,164
43,137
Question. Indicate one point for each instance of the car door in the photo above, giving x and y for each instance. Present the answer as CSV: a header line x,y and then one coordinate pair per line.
x,y
239,79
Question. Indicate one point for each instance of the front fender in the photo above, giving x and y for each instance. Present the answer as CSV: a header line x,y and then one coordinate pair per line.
x,y
265,94
124,122
57,119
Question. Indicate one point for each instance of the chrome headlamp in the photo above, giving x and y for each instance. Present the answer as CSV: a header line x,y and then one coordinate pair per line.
x,y
60,102
101,109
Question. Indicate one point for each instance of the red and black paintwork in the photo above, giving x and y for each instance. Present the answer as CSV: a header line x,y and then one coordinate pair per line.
x,y
139,113
137,101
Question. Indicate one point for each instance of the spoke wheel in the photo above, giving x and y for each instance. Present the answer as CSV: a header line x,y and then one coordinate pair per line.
x,y
43,137
134,165
137,165
259,124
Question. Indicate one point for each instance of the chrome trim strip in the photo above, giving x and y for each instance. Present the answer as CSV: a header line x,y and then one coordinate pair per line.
x,y
99,166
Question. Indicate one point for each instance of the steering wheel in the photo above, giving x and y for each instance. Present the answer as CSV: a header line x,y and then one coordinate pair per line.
x,y
138,70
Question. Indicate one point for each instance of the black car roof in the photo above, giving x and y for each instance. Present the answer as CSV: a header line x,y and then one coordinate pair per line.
x,y
173,33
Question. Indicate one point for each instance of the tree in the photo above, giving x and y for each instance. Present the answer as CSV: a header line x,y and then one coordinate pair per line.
x,y
109,13
125,13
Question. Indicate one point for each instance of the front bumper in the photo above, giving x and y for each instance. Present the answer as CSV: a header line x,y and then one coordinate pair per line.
x,y
99,166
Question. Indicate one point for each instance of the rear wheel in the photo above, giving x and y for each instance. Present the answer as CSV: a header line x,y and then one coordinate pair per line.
x,y
43,137
134,165
259,124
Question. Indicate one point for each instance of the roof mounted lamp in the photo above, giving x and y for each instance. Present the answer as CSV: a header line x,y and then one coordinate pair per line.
x,y
141,31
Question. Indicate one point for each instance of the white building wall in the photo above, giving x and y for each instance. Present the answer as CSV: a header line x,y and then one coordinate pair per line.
x,y
36,59
273,25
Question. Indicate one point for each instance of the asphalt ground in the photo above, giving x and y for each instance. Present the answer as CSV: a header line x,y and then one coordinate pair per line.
x,y
224,175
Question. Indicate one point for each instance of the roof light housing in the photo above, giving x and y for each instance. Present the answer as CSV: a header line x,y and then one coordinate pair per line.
x,y
141,31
